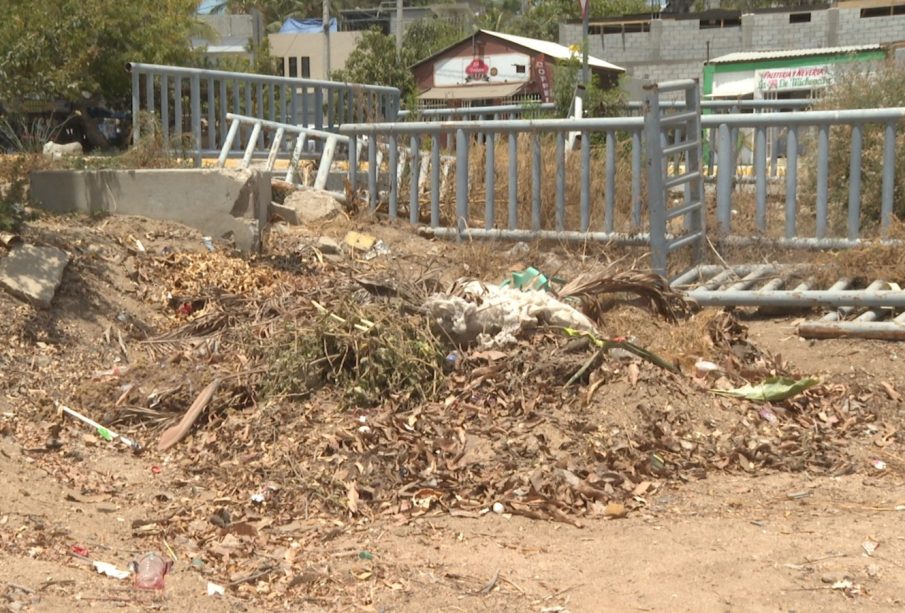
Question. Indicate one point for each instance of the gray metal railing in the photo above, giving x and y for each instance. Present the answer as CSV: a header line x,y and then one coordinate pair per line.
x,y
200,99
797,123
518,224
298,136
596,192
683,154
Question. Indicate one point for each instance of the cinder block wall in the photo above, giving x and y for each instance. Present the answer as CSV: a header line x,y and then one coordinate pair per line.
x,y
677,49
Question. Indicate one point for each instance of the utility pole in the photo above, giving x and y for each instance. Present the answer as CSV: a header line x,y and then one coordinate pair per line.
x,y
585,14
326,39
399,29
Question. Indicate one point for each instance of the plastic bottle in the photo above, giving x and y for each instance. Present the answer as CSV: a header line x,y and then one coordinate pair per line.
x,y
149,571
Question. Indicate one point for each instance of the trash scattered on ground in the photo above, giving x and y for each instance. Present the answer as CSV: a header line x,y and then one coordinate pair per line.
x,y
494,317
150,570
879,464
528,279
110,570
773,389
869,547
208,242
215,590
359,241
103,431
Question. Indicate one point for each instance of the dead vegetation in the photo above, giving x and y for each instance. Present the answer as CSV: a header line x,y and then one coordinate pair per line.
x,y
341,405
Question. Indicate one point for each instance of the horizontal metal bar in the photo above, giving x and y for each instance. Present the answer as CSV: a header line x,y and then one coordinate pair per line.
x,y
479,110
880,330
793,298
804,242
670,120
529,235
501,126
680,148
682,210
253,78
803,118
791,103
681,241
679,180
673,86
275,125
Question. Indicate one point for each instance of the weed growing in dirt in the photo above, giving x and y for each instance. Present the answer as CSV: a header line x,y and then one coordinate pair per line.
x,y
14,171
372,354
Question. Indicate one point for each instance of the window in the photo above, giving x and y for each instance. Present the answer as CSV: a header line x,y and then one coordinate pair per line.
x,y
729,22
306,67
883,11
620,28
293,67
800,18
520,69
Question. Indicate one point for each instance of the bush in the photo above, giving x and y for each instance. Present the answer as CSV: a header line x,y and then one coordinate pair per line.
x,y
881,87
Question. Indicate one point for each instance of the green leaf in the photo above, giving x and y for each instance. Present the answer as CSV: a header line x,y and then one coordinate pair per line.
x,y
773,389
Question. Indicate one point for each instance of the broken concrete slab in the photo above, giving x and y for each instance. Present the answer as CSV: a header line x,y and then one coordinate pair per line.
x,y
224,204
313,206
33,273
284,213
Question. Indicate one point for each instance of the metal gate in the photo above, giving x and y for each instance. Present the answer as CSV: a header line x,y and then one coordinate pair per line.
x,y
674,143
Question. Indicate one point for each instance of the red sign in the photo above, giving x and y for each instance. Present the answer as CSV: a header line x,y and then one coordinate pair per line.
x,y
584,4
543,77
477,70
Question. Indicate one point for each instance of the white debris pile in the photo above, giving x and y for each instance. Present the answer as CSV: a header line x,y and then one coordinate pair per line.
x,y
494,316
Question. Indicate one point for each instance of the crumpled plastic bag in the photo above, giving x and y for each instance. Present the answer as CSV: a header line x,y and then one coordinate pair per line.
x,y
494,316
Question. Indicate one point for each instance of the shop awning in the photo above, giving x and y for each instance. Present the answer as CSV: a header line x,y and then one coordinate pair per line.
x,y
473,92
733,89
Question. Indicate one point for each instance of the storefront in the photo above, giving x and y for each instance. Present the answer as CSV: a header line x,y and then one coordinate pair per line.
x,y
797,73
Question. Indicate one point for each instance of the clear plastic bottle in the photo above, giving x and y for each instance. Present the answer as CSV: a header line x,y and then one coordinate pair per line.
x,y
149,571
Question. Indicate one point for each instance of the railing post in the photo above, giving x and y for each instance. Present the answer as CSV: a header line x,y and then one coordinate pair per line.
x,y
535,182
489,180
791,181
461,181
585,198
854,185
373,171
415,178
636,180
196,117
724,181
512,222
656,196
136,106
392,172
760,179
435,178
823,169
609,213
889,175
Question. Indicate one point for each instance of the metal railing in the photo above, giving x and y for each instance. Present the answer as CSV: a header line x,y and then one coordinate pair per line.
x,y
796,124
196,101
517,224
479,113
298,136
518,161
683,153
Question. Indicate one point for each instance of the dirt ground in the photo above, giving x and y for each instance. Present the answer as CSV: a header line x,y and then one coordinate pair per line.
x,y
798,512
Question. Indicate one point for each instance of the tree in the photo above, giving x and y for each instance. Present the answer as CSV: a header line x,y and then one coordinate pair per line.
x,y
76,50
374,59
427,36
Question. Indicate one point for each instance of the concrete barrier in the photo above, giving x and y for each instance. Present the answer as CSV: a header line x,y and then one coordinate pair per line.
x,y
230,204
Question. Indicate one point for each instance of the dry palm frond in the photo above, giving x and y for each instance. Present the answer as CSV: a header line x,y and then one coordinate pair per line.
x,y
600,292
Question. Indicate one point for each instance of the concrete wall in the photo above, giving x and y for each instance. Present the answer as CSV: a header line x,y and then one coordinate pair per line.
x,y
678,48
230,204
285,46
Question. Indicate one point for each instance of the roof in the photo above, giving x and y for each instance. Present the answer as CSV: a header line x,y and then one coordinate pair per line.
x,y
753,56
472,92
553,50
